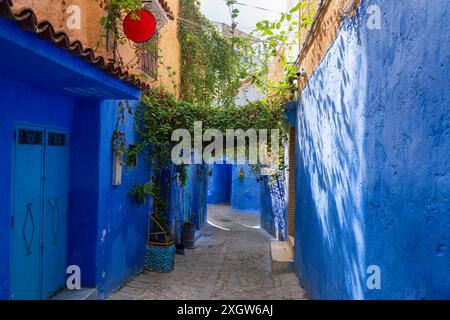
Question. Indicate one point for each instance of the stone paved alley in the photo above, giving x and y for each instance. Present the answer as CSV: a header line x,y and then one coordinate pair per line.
x,y
231,261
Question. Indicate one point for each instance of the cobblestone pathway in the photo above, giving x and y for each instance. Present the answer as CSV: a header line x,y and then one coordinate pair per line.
x,y
231,261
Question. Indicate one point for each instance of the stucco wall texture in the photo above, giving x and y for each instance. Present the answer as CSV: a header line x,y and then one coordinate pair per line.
x,y
106,230
219,184
245,190
323,33
372,165
92,35
274,207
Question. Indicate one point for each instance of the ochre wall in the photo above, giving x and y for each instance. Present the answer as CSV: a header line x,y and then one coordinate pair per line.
x,y
91,33
171,51
323,34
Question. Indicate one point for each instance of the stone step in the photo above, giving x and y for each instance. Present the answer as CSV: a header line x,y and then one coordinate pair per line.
x,y
281,257
82,294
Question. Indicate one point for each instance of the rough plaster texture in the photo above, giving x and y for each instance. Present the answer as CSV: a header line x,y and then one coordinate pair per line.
x,y
313,49
219,184
274,207
103,221
92,35
372,165
245,191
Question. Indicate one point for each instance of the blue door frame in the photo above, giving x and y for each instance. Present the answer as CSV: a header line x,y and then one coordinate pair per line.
x,y
40,207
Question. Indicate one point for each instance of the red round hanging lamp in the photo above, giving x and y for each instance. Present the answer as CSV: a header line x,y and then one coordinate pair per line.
x,y
139,26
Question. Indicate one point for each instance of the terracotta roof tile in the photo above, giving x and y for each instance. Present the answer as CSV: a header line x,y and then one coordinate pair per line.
x,y
166,8
27,20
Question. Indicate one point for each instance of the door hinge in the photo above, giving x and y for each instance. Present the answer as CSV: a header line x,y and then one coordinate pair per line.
x,y
12,222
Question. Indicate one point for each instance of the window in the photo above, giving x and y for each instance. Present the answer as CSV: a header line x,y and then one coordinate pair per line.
x,y
149,59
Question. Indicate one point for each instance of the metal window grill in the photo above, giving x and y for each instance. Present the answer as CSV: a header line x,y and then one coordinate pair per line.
x,y
31,137
56,139
149,59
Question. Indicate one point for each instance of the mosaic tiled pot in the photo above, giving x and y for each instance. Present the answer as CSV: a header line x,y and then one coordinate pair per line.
x,y
160,258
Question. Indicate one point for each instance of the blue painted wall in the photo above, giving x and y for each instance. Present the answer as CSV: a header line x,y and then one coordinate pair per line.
x,y
106,231
188,203
200,194
274,206
122,225
373,167
245,192
21,103
84,190
219,184
179,207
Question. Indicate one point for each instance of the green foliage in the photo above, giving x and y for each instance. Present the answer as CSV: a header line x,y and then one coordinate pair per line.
x,y
116,11
213,67
273,41
141,192
182,175
119,144
209,65
160,114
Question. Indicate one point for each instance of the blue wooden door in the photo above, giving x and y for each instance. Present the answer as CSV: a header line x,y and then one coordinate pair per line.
x,y
40,212
27,213
55,206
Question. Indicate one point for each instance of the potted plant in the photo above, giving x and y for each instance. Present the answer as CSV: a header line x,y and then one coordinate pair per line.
x,y
160,249
141,192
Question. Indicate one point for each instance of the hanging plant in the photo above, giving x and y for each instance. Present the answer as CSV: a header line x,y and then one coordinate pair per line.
x,y
119,143
182,175
141,192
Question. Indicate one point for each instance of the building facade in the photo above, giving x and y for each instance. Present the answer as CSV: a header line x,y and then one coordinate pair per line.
x,y
64,195
371,152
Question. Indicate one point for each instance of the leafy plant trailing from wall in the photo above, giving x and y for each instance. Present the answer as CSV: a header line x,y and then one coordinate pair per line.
x,y
209,65
119,145
116,10
160,113
182,175
241,173
213,67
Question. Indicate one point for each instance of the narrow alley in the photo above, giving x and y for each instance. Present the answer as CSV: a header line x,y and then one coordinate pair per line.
x,y
231,261
224,150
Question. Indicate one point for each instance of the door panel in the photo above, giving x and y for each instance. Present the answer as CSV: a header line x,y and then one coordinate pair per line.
x,y
55,202
27,213
41,172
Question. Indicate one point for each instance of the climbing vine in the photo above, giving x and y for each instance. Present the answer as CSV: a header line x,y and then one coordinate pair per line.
x,y
209,65
160,114
119,139
213,67
272,42
115,12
